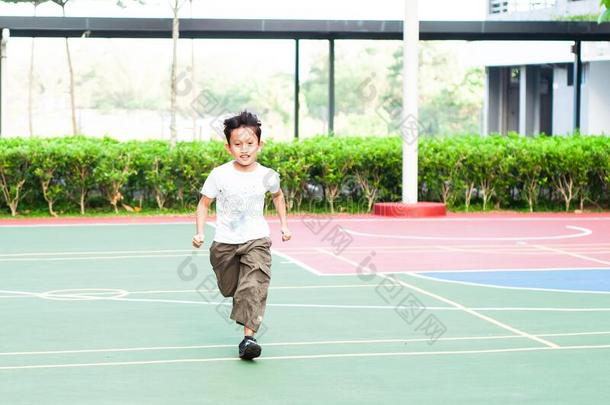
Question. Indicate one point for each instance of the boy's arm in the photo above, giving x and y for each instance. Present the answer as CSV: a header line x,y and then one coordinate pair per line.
x,y
200,217
280,207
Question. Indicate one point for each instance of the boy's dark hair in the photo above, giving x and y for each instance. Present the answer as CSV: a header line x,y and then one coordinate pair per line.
x,y
244,119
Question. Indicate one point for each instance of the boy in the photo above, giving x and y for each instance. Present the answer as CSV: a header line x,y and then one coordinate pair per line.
x,y
240,253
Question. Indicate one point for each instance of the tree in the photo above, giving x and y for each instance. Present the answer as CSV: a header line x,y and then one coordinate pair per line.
x,y
193,112
605,15
175,4
450,99
62,4
348,76
35,3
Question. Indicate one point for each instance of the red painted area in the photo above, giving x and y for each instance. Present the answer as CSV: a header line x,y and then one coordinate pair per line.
x,y
419,210
458,242
135,219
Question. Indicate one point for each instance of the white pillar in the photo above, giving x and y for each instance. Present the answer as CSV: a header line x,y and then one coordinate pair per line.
x,y
409,128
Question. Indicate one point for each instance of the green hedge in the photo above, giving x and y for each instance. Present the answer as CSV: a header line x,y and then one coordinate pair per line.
x,y
323,173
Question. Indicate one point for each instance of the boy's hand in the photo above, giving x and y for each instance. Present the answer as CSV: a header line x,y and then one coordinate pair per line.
x,y
198,240
286,234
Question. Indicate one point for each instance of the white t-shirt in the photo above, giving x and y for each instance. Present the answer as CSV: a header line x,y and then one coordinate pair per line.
x,y
240,200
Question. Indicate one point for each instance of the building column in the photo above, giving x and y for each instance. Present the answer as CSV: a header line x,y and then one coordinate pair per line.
x,y
409,130
577,50
331,87
529,102
297,87
492,103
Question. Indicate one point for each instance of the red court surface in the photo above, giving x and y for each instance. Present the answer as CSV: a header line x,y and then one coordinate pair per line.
x,y
345,244
340,245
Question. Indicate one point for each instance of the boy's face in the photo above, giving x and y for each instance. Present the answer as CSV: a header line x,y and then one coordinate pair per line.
x,y
244,146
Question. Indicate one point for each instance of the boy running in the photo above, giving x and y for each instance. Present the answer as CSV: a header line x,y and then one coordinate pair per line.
x,y
240,253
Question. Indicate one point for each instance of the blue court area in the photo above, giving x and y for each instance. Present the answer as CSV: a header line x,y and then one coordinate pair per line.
x,y
593,280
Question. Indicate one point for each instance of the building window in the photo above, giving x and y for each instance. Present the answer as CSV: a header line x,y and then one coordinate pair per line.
x,y
510,6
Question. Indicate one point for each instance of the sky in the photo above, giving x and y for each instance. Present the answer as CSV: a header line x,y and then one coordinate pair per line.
x,y
310,9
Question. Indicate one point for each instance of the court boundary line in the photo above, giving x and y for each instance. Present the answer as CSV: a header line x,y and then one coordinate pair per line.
x,y
299,263
584,232
64,259
455,304
537,289
123,295
95,252
577,255
423,271
314,356
282,344
28,294
497,249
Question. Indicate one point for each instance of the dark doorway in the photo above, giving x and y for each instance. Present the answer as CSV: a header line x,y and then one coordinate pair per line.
x,y
546,100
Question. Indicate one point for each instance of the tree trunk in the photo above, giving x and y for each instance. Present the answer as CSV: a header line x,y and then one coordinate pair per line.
x,y
193,111
31,83
31,90
45,193
331,195
83,194
468,195
175,36
71,77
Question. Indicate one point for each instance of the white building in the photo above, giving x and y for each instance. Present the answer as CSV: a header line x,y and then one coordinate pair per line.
x,y
530,86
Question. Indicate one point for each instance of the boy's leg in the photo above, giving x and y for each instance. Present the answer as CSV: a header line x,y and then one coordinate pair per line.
x,y
226,266
250,298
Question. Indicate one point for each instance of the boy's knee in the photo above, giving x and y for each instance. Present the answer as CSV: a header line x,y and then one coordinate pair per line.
x,y
227,290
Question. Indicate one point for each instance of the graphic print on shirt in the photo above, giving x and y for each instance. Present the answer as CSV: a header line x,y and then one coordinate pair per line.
x,y
238,209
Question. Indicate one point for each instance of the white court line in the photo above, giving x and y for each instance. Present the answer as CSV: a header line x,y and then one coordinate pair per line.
x,y
296,261
309,357
61,259
284,344
601,248
469,283
424,271
20,294
582,232
282,287
564,252
24,294
517,246
96,252
455,304
454,219
123,296
87,225
278,344
228,303
287,258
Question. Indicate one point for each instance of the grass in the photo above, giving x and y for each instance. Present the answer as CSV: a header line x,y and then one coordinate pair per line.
x,y
581,17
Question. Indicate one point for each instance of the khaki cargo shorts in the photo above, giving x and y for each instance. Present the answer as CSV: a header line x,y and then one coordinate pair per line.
x,y
243,271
